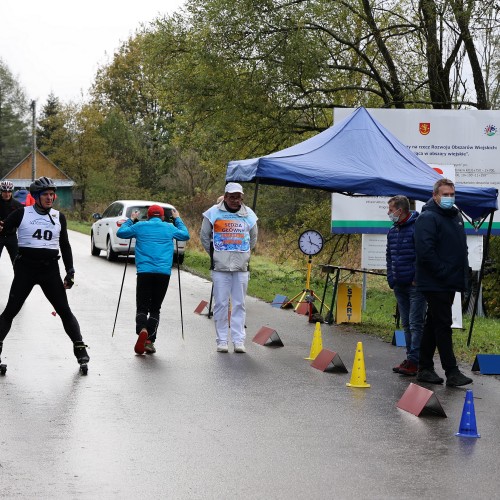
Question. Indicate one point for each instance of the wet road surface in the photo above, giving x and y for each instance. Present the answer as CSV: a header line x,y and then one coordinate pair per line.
x,y
191,423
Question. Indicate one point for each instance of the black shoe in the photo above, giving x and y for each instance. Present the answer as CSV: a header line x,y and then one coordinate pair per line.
x,y
429,376
457,379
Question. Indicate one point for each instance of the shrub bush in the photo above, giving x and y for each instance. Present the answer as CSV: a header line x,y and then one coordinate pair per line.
x,y
491,280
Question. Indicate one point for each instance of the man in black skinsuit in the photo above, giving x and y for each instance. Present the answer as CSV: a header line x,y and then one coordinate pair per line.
x,y
42,231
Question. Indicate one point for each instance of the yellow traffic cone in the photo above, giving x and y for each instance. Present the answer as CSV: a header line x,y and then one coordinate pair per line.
x,y
317,343
358,377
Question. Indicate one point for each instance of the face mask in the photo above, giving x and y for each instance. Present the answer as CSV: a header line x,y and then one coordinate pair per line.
x,y
447,202
394,218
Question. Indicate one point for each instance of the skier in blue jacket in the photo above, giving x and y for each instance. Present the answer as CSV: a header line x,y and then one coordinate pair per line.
x,y
154,251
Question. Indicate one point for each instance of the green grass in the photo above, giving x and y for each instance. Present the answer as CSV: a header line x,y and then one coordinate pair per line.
x,y
269,279
81,227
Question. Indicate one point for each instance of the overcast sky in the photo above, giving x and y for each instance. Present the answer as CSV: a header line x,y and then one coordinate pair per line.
x,y
57,45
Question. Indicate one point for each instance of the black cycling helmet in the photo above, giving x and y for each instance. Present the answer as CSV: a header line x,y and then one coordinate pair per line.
x,y
42,184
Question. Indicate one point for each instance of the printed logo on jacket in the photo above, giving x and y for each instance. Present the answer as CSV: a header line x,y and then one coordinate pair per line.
x,y
231,234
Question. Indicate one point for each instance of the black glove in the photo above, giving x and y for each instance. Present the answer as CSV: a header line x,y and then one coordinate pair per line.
x,y
69,280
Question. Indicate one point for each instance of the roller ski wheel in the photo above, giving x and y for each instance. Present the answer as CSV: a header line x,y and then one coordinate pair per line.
x,y
84,368
3,368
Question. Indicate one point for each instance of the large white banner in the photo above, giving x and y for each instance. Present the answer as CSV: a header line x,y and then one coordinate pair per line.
x,y
469,140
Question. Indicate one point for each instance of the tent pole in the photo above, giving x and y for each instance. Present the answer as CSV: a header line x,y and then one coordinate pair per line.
x,y
254,204
481,274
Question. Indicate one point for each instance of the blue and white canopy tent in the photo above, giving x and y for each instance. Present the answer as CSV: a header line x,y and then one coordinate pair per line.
x,y
359,157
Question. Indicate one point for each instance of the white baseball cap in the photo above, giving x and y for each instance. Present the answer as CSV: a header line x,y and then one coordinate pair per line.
x,y
233,187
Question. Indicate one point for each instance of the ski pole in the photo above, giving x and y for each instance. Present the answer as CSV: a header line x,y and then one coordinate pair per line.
x,y
210,312
180,293
121,288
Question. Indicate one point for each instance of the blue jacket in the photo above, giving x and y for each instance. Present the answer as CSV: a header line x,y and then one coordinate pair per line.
x,y
154,246
441,245
400,253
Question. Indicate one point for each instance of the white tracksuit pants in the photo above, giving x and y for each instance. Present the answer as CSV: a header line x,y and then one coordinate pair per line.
x,y
230,285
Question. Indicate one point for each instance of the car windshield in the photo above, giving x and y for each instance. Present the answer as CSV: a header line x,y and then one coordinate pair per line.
x,y
143,212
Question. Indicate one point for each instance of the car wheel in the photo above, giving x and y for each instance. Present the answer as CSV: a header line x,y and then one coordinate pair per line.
x,y
110,254
93,249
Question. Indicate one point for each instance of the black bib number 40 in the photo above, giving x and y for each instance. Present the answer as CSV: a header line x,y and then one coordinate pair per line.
x,y
46,235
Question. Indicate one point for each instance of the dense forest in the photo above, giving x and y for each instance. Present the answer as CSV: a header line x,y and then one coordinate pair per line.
x,y
221,80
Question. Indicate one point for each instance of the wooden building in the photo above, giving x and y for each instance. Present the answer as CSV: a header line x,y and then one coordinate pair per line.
x,y
21,176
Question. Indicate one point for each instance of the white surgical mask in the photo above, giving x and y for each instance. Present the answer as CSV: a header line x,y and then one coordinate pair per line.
x,y
393,217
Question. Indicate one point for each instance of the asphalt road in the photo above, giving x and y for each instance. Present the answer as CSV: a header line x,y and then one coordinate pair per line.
x,y
191,423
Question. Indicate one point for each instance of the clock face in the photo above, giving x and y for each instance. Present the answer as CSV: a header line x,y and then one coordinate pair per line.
x,y
311,242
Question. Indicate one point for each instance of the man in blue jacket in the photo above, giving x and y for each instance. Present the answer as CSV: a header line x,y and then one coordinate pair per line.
x,y
400,259
442,270
154,251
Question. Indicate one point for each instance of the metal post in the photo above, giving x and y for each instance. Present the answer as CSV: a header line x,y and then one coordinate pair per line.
x,y
481,274
254,204
33,149
363,300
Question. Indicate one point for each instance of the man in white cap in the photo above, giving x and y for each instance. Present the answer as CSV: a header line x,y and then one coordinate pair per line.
x,y
228,234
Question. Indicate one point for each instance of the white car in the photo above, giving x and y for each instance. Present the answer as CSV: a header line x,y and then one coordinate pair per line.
x,y
103,232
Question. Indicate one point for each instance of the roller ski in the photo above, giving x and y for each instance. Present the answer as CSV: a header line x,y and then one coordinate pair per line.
x,y
3,368
79,348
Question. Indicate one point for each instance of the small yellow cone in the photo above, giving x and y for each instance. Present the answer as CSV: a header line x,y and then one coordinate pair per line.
x,y
358,377
317,343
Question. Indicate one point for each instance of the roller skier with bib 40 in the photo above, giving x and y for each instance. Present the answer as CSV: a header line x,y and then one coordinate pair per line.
x,y
42,232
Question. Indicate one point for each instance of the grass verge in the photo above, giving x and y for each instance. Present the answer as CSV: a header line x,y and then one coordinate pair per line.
x,y
269,279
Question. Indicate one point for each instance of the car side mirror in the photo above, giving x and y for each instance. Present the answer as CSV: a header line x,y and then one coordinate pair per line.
x,y
96,216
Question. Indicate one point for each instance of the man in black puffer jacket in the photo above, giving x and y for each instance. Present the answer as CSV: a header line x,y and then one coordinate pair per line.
x,y
442,269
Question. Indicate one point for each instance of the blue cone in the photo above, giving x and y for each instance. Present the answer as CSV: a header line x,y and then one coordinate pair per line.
x,y
468,427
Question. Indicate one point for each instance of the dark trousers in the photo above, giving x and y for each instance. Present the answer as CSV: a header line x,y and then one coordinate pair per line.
x,y
150,292
437,332
46,274
10,243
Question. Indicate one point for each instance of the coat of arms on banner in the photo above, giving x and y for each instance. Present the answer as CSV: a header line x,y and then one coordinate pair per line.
x,y
424,128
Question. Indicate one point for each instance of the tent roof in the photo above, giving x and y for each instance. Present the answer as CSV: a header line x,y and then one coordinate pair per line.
x,y
357,156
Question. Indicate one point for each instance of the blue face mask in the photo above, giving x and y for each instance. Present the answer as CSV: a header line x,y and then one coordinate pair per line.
x,y
447,202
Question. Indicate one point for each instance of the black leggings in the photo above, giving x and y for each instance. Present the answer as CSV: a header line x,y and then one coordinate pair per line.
x,y
150,292
46,274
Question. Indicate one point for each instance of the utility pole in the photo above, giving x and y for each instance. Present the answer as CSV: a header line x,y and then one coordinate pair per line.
x,y
33,133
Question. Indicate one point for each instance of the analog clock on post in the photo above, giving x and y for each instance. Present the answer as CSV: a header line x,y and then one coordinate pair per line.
x,y
311,242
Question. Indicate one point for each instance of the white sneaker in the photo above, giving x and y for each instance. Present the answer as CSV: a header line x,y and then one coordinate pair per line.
x,y
239,348
222,348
